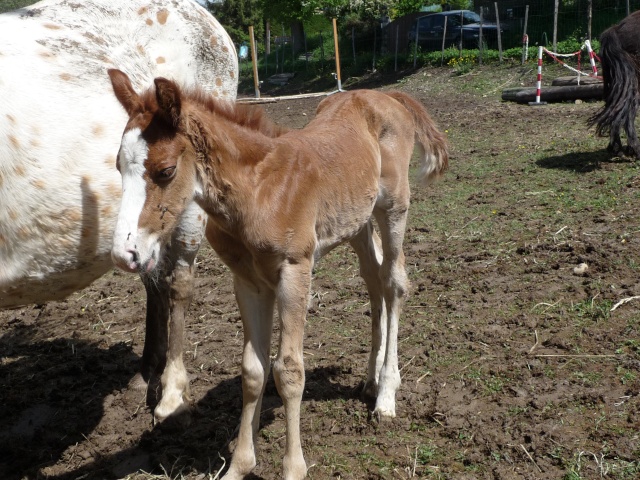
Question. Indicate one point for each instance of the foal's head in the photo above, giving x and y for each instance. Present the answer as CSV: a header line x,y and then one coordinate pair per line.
x,y
158,179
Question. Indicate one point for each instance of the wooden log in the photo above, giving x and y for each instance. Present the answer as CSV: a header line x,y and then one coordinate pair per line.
x,y
554,94
573,80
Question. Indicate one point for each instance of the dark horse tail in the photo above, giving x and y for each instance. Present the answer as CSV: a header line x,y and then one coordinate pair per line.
x,y
620,87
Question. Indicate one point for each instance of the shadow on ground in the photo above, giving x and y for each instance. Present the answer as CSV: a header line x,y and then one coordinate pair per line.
x,y
581,162
53,419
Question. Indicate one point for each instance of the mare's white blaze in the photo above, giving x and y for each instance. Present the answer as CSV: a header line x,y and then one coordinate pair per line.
x,y
132,155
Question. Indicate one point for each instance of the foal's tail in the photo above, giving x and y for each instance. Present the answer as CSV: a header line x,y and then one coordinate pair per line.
x,y
620,86
433,146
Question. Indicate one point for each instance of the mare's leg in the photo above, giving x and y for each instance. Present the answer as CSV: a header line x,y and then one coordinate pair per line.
x,y
154,353
630,129
367,246
177,280
288,369
615,143
255,301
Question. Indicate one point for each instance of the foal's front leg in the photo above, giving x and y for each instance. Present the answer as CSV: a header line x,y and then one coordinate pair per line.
x,y
288,369
169,295
255,301
174,380
181,256
168,298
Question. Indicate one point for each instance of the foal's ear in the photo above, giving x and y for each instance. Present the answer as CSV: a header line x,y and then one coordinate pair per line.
x,y
124,91
168,98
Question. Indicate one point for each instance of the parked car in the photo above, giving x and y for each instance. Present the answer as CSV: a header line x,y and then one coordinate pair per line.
x,y
461,25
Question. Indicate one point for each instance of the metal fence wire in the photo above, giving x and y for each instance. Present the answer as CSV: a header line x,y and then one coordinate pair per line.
x,y
548,23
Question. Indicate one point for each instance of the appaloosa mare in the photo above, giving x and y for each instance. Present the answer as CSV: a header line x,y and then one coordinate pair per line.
x,y
59,129
275,206
620,57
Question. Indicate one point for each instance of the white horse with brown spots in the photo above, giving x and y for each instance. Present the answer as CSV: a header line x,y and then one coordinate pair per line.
x,y
59,130
275,206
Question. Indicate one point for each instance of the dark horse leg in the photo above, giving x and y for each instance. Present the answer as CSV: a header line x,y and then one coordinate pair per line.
x,y
620,56
169,294
633,145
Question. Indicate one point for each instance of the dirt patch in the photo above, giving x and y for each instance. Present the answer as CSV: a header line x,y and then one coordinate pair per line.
x,y
513,364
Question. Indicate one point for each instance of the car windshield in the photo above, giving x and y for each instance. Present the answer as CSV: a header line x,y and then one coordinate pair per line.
x,y
470,17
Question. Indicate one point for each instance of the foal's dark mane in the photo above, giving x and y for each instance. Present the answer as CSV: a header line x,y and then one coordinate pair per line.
x,y
247,116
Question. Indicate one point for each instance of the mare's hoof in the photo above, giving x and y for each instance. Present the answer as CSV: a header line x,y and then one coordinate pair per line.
x,y
138,383
370,389
615,150
632,152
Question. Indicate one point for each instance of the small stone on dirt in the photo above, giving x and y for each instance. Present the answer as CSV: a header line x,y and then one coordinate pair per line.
x,y
581,269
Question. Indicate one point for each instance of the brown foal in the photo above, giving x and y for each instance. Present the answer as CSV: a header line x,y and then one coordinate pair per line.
x,y
276,203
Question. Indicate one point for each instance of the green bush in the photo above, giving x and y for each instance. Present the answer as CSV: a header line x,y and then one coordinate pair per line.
x,y
8,5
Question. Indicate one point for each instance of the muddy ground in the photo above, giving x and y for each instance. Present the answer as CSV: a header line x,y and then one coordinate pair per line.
x,y
513,364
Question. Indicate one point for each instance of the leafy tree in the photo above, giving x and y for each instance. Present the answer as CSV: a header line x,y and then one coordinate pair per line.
x,y
353,11
284,11
402,7
237,16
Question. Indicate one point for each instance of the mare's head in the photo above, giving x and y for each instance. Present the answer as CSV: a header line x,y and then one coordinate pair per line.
x,y
158,177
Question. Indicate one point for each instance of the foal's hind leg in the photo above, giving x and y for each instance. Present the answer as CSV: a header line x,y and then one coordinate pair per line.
x,y
367,246
392,222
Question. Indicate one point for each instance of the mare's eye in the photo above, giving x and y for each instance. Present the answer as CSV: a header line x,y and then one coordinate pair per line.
x,y
166,173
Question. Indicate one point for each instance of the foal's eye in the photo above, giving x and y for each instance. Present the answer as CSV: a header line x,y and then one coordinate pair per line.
x,y
167,173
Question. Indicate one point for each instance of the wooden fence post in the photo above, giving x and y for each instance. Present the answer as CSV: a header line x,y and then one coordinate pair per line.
x,y
499,35
335,45
254,61
525,42
555,25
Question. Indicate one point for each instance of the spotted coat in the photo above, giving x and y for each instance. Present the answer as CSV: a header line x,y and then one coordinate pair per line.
x,y
60,126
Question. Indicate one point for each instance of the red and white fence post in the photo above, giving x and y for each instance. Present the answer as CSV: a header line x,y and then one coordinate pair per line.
x,y
592,58
539,82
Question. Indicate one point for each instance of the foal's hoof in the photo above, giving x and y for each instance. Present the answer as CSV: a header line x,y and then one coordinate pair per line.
x,y
382,416
385,407
177,419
